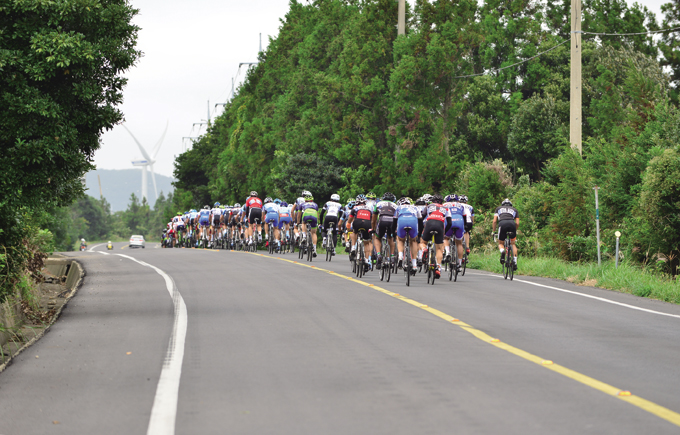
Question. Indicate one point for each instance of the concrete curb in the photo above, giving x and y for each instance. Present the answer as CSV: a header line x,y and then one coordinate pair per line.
x,y
59,266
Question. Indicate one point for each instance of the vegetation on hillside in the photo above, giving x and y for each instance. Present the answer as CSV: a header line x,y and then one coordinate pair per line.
x,y
339,103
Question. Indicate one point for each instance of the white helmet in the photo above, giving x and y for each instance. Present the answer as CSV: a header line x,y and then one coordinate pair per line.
x,y
335,197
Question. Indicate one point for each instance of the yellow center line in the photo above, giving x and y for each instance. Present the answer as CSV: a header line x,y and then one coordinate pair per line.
x,y
626,396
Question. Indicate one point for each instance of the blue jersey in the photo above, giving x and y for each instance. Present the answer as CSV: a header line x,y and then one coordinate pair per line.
x,y
455,208
285,212
408,210
271,208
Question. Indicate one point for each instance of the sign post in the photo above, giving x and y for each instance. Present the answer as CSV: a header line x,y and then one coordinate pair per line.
x,y
597,225
618,236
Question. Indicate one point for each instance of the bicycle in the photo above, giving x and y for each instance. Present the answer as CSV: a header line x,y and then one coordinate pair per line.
x,y
453,264
310,247
507,266
408,262
330,241
431,259
465,258
386,266
270,239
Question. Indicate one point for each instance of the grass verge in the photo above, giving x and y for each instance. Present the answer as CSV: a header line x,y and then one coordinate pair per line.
x,y
627,278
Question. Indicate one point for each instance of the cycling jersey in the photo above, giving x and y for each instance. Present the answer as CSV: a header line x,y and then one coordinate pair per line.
x,y
272,213
285,216
310,213
505,212
362,212
204,217
457,226
407,217
332,208
254,203
437,212
469,212
371,205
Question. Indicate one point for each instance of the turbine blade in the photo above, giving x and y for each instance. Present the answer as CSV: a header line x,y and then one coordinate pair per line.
x,y
146,156
153,178
157,147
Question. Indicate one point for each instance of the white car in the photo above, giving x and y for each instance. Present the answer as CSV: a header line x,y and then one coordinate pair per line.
x,y
137,242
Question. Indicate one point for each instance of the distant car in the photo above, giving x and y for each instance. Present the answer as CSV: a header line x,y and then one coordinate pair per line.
x,y
137,242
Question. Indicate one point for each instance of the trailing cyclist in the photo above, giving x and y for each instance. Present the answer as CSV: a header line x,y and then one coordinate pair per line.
x,y
507,218
455,228
297,213
253,210
285,220
271,210
359,222
331,212
469,220
421,205
204,222
408,216
310,216
383,217
435,220
215,222
343,220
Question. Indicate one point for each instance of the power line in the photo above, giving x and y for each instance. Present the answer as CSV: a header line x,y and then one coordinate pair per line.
x,y
631,34
514,64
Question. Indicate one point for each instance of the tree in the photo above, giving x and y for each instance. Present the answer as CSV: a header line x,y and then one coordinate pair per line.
x,y
61,66
670,45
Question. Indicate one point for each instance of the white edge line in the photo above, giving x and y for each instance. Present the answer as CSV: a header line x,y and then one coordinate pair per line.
x,y
95,246
164,410
101,252
585,295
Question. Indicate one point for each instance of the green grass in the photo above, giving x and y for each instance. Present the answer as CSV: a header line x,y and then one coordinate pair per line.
x,y
627,278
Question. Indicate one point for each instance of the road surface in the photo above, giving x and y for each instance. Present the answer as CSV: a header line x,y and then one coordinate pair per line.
x,y
216,342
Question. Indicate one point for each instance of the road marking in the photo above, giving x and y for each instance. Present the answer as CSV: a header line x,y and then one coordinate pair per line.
x,y
585,295
651,407
164,410
92,248
102,252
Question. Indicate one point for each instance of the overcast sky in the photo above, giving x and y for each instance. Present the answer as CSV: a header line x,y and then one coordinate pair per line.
x,y
191,52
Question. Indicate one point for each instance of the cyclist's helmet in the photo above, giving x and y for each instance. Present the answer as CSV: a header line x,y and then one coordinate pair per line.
x,y
464,199
193,210
253,193
309,197
420,201
449,198
277,201
389,196
427,198
437,199
237,205
179,213
361,199
284,204
267,200
206,207
305,193
217,204
351,204
335,197
371,195
507,202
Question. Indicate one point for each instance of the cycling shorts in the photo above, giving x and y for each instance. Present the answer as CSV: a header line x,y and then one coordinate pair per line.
x,y
273,218
468,227
507,228
285,220
204,222
310,220
255,216
457,227
362,224
386,226
407,221
216,220
431,226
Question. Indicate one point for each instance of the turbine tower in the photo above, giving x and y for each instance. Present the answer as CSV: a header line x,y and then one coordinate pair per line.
x,y
147,162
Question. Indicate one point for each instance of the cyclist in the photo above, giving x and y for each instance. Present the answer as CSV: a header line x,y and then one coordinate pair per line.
x,y
456,227
330,213
215,217
178,224
297,213
435,220
193,223
383,217
421,205
407,215
253,210
285,220
343,220
507,218
310,216
360,218
204,221
271,210
469,220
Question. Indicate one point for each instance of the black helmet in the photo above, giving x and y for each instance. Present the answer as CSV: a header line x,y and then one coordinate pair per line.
x,y
389,196
507,202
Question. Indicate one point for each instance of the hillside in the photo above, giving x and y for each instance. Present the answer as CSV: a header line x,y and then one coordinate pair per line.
x,y
119,184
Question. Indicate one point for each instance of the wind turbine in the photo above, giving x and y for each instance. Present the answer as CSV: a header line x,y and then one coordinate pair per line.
x,y
147,162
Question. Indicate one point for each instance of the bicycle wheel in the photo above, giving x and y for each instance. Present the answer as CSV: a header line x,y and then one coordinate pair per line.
x,y
408,264
388,257
512,268
465,260
433,262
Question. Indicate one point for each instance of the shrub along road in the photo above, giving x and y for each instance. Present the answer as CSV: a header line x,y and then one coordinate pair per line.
x,y
277,347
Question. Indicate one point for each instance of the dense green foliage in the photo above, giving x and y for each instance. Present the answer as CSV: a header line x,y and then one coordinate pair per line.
x,y
61,65
339,102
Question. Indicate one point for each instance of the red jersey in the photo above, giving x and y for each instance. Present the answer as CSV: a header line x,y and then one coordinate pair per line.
x,y
436,212
254,202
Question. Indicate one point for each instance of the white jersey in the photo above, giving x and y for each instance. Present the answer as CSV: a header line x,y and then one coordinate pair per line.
x,y
216,212
332,208
469,212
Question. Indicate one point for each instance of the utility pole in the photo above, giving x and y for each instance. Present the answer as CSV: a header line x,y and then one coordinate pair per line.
x,y
401,24
208,113
260,43
101,195
575,112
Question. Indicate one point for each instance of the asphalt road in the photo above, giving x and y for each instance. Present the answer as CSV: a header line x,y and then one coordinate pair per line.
x,y
274,347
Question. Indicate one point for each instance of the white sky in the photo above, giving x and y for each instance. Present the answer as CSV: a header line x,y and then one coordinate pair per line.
x,y
191,52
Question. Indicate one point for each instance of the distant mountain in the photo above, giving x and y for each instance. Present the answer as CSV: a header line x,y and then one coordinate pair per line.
x,y
119,184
